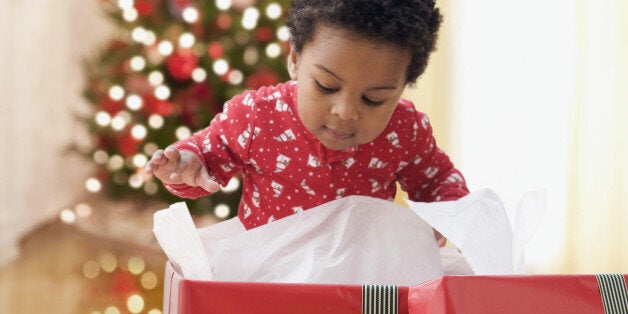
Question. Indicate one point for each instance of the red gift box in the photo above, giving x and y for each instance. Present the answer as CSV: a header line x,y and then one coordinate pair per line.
x,y
521,294
448,294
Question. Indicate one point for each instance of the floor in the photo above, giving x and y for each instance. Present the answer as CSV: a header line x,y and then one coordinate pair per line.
x,y
78,268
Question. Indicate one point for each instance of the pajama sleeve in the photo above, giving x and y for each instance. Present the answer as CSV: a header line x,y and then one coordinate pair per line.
x,y
431,175
222,146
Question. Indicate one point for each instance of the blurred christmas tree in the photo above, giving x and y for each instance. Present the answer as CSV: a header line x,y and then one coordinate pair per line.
x,y
173,65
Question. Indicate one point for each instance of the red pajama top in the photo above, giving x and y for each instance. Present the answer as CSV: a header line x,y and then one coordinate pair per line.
x,y
285,169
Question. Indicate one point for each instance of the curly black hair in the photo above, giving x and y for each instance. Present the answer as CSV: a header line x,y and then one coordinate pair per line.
x,y
410,24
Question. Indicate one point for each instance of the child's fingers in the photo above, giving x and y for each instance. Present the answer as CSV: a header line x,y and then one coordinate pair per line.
x,y
203,180
440,239
172,153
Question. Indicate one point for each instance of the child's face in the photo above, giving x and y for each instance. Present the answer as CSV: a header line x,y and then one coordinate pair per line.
x,y
348,86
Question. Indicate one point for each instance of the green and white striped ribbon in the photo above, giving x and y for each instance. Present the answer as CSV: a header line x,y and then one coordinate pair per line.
x,y
380,299
613,292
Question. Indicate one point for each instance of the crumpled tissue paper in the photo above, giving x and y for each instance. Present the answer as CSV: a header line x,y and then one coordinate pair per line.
x,y
356,240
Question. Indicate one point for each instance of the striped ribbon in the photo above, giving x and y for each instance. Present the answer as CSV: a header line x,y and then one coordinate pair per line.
x,y
613,292
379,299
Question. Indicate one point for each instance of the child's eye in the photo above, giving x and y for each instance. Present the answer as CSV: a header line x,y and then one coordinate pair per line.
x,y
370,102
325,89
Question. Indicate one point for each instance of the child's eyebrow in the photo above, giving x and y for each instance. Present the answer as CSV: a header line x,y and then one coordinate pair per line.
x,y
330,72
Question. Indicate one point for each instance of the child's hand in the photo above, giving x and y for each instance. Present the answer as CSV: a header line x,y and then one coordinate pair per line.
x,y
173,166
440,239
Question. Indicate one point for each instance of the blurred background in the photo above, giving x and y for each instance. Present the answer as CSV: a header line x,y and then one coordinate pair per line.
x,y
522,96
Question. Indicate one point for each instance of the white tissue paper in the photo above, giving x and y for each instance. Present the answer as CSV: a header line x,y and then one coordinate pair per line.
x,y
355,240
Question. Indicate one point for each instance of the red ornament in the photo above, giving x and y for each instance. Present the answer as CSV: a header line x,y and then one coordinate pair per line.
x,y
264,34
110,106
181,64
201,91
127,145
153,105
144,7
123,284
215,50
262,77
223,21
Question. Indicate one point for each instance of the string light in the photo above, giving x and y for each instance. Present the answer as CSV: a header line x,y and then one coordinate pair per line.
x,y
116,92
155,121
190,14
93,185
115,163
273,11
136,265
101,157
162,92
186,40
102,118
129,15
273,50
155,78
249,18
118,123
137,63
165,48
223,5
232,186
222,211
183,132
139,160
139,34
199,75
150,38
125,4
235,77
150,149
134,102
149,280
107,261
139,132
283,33
125,115
135,181
67,216
251,55
112,310
220,66
91,269
135,303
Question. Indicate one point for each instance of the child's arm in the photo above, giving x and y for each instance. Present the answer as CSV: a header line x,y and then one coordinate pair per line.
x,y
173,166
433,177
211,156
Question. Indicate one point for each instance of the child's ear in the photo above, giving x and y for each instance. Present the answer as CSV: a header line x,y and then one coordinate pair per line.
x,y
293,63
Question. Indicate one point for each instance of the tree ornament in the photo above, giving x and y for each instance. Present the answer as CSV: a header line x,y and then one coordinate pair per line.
x,y
262,77
181,64
144,7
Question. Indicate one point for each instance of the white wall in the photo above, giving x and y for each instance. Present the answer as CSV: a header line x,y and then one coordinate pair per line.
x,y
42,46
512,73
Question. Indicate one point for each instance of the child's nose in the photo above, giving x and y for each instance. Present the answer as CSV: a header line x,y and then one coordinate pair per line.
x,y
345,110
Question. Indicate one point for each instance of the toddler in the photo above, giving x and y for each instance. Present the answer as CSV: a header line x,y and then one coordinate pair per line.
x,y
338,128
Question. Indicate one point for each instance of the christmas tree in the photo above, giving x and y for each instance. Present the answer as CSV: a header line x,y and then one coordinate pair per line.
x,y
173,65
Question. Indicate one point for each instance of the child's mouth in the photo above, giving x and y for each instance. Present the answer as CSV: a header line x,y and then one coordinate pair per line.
x,y
338,135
